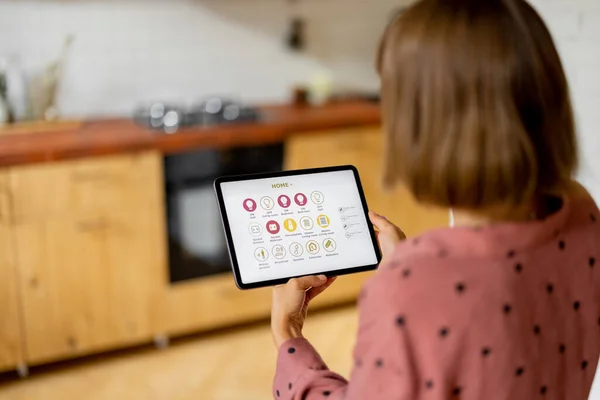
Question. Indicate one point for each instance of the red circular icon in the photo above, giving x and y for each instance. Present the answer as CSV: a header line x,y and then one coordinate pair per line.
x,y
300,199
273,227
284,201
249,205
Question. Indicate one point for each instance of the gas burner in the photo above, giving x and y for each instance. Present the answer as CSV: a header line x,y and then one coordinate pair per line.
x,y
213,111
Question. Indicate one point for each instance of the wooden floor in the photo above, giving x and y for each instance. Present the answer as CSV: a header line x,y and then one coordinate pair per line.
x,y
235,365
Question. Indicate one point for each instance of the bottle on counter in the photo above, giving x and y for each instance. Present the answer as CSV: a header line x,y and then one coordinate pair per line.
x,y
6,113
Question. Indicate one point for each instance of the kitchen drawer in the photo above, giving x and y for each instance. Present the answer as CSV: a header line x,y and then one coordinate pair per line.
x,y
91,184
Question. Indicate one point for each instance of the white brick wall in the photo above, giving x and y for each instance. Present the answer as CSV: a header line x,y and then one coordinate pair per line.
x,y
575,25
127,51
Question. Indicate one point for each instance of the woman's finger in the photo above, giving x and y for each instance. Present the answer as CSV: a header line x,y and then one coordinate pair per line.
x,y
380,222
307,282
315,291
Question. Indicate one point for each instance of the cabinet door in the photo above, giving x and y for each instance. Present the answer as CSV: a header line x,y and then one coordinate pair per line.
x,y
99,184
90,282
11,353
363,148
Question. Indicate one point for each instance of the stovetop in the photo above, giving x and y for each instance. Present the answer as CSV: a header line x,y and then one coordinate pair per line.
x,y
165,118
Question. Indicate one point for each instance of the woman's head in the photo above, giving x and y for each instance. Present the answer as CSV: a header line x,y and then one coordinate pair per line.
x,y
476,104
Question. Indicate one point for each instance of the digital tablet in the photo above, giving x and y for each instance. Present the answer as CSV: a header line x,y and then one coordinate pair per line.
x,y
296,223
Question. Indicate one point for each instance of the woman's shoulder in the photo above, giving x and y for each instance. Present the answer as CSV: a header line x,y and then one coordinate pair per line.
x,y
416,262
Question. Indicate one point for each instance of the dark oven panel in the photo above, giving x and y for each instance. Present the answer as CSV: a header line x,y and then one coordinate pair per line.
x,y
197,246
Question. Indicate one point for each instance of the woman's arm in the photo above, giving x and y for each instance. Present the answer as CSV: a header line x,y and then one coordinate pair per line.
x,y
381,366
302,374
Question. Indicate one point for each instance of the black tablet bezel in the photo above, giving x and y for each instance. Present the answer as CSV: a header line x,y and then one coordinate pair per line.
x,y
231,248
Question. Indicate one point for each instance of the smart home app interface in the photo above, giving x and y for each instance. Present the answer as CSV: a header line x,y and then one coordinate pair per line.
x,y
297,225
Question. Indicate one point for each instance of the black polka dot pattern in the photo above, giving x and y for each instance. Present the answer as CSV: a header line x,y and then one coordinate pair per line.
x,y
519,268
460,289
486,351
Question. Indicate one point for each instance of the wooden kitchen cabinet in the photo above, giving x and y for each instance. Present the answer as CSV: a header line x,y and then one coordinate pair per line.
x,y
363,148
98,184
11,351
92,276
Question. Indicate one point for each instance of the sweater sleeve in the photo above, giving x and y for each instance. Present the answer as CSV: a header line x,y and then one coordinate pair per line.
x,y
380,362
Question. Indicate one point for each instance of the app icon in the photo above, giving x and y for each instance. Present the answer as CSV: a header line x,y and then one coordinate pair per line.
x,y
284,201
300,199
273,227
323,221
290,225
296,249
329,245
312,247
255,229
278,251
249,205
267,203
261,254
306,223
317,197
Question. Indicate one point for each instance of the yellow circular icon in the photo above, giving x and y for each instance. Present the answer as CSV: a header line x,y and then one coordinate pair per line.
x,y
323,221
290,225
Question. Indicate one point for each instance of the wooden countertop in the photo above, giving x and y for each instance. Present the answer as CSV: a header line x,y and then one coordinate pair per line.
x,y
103,137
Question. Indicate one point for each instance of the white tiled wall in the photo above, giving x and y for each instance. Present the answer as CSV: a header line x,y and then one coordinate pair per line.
x,y
575,25
127,51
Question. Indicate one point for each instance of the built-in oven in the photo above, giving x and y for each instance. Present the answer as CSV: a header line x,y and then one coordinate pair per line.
x,y
197,246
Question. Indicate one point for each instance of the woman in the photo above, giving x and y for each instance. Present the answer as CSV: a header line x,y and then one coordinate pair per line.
x,y
506,304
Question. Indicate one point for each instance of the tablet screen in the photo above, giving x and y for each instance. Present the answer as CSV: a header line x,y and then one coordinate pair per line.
x,y
297,225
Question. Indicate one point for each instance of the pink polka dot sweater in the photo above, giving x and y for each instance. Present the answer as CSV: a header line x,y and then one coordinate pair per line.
x,y
510,311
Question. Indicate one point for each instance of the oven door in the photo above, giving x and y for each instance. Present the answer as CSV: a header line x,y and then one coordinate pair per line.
x,y
197,245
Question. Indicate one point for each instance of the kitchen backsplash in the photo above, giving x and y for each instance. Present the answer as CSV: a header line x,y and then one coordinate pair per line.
x,y
131,51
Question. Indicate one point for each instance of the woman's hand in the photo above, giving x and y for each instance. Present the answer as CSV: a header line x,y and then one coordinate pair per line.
x,y
388,234
290,305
